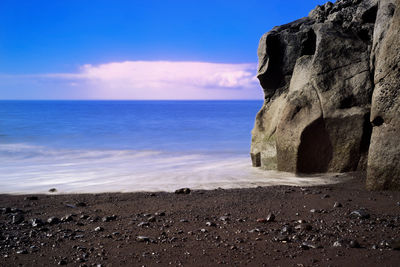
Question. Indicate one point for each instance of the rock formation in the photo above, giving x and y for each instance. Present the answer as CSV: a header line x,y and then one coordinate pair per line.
x,y
332,92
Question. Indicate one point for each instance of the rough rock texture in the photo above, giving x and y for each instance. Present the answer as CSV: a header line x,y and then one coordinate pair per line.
x,y
319,74
384,155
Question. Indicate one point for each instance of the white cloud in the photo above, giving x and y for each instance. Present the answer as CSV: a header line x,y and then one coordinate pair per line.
x,y
163,80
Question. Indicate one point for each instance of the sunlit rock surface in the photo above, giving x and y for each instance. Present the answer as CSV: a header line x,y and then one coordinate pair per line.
x,y
320,75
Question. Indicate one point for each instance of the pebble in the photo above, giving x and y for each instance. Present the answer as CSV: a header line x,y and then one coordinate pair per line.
x,y
67,218
62,262
306,245
143,224
361,214
142,238
52,190
109,218
17,219
270,217
151,219
183,191
23,251
211,224
337,205
53,220
37,222
224,218
99,229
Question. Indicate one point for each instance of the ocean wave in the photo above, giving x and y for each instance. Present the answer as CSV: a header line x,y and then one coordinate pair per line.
x,y
35,169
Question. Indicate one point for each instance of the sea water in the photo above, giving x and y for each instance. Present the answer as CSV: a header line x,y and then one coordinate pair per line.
x,y
128,146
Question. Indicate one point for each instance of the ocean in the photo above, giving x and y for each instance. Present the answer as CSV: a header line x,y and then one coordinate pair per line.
x,y
129,146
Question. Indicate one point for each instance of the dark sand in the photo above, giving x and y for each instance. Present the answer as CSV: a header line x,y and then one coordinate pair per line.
x,y
205,228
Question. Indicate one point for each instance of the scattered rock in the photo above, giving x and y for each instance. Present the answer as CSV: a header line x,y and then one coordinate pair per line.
x,y
53,220
143,224
67,218
183,191
211,224
99,229
270,217
17,219
337,205
109,218
52,190
142,238
360,214
37,222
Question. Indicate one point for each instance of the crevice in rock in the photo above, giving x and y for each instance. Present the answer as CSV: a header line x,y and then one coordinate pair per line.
x,y
273,77
366,134
315,150
369,16
309,44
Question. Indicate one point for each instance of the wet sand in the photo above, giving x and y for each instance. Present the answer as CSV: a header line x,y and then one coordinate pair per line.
x,y
335,225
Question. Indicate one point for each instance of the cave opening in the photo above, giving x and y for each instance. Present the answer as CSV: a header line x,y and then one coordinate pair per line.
x,y
315,150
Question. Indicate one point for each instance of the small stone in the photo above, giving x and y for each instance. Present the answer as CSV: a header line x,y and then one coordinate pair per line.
x,y
52,190
62,262
354,244
325,196
53,220
224,218
286,229
67,218
151,219
17,219
270,217
37,222
183,191
22,251
337,244
211,224
143,224
306,245
109,218
142,238
261,220
160,213
337,205
99,229
361,214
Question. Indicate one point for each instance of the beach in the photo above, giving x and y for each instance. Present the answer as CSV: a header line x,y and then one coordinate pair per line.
x,y
332,225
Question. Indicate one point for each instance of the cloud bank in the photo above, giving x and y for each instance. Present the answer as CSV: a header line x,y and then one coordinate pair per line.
x,y
156,80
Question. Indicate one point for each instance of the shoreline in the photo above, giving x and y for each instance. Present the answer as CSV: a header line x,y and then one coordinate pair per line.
x,y
336,225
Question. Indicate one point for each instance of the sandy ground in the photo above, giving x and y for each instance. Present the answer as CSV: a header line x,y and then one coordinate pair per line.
x,y
336,225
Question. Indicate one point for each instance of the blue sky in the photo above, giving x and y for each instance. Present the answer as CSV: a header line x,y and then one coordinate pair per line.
x,y
48,49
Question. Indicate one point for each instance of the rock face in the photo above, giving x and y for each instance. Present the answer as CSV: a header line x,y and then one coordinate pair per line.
x,y
325,78
384,153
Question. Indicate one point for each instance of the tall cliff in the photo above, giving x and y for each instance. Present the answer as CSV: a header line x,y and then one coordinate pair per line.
x,y
332,93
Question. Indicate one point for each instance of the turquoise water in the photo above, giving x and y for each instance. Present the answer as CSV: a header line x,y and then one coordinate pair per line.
x,y
97,146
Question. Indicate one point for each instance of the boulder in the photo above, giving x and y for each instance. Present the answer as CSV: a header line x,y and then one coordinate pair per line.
x,y
319,75
384,152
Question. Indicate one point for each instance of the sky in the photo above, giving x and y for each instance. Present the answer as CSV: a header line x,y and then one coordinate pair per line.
x,y
147,49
